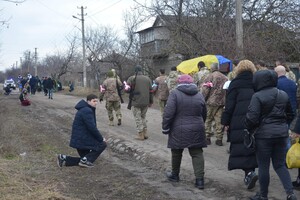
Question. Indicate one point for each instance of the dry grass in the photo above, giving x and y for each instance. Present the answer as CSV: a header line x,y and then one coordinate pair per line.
x,y
16,183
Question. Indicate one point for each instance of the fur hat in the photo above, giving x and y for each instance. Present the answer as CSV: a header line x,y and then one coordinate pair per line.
x,y
185,79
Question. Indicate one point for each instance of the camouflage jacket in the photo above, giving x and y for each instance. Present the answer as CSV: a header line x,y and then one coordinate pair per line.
x,y
215,95
110,86
291,75
201,76
172,80
161,90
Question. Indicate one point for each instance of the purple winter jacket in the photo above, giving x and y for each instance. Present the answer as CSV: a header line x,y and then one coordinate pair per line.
x,y
184,118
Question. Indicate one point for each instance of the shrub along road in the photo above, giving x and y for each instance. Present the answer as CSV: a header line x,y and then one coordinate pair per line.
x,y
129,169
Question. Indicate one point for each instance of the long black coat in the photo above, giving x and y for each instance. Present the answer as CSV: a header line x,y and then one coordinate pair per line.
x,y
184,117
85,134
238,99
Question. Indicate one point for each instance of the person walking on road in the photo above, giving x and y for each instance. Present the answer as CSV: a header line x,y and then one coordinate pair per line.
x,y
49,86
112,98
183,122
238,99
141,89
161,90
214,95
267,118
172,79
85,137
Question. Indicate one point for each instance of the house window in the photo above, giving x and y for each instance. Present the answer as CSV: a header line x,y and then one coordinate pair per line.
x,y
147,36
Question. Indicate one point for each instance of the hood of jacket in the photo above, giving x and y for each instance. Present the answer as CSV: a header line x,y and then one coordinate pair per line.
x,y
264,79
81,104
189,89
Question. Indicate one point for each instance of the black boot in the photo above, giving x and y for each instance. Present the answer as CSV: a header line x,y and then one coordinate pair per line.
x,y
199,183
172,177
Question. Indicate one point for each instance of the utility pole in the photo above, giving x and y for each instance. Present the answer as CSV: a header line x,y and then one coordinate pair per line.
x,y
28,63
83,45
35,61
239,28
21,65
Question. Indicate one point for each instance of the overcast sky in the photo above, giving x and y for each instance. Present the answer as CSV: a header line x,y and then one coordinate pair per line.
x,y
45,24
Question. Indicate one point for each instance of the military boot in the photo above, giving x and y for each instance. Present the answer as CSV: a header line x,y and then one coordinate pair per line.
x,y
111,122
145,134
119,122
140,136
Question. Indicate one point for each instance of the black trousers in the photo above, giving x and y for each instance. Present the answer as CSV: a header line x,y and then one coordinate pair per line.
x,y
91,155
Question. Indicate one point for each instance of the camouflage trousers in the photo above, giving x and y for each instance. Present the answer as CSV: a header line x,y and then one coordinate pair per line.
x,y
214,114
113,106
162,105
140,118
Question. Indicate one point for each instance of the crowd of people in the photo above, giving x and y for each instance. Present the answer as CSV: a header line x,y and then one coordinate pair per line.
x,y
196,107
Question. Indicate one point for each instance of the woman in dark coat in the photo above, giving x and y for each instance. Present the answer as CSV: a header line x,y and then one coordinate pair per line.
x,y
238,99
183,121
268,116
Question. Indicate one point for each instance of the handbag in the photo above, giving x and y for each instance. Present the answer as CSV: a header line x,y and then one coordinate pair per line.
x,y
249,140
293,155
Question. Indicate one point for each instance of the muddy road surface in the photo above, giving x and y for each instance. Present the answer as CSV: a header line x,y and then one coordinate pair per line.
x,y
31,138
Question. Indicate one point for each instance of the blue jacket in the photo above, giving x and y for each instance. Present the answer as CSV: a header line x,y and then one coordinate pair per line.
x,y
85,134
290,88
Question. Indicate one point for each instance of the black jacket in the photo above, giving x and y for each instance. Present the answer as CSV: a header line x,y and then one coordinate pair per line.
x,y
85,134
270,110
238,99
184,117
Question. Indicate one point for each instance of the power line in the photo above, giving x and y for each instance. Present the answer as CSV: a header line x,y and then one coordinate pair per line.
x,y
106,8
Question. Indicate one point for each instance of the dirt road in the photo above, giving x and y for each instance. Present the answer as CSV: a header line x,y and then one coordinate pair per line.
x,y
129,169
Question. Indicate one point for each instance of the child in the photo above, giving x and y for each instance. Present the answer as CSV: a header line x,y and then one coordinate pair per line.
x,y
24,98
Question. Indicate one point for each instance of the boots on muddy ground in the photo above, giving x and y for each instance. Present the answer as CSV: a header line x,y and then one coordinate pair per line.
x,y
119,122
199,183
171,176
145,134
140,136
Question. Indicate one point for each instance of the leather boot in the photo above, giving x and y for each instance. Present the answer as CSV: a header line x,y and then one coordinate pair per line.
x,y
119,122
145,134
140,136
111,123
172,176
199,183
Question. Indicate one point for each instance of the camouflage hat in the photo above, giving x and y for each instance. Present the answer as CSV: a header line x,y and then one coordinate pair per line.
x,y
110,74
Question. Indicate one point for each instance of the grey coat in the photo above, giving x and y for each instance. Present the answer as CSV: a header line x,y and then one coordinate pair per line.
x,y
184,117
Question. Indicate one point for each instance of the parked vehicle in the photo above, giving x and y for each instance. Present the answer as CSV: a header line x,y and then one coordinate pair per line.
x,y
9,82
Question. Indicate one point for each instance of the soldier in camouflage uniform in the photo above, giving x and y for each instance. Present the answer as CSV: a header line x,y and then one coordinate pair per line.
x,y
201,75
214,95
172,79
161,90
112,98
141,100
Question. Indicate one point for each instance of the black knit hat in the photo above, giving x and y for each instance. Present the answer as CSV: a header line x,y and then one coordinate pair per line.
x,y
138,68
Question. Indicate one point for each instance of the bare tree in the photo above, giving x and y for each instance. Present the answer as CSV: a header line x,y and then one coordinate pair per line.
x,y
59,64
271,27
